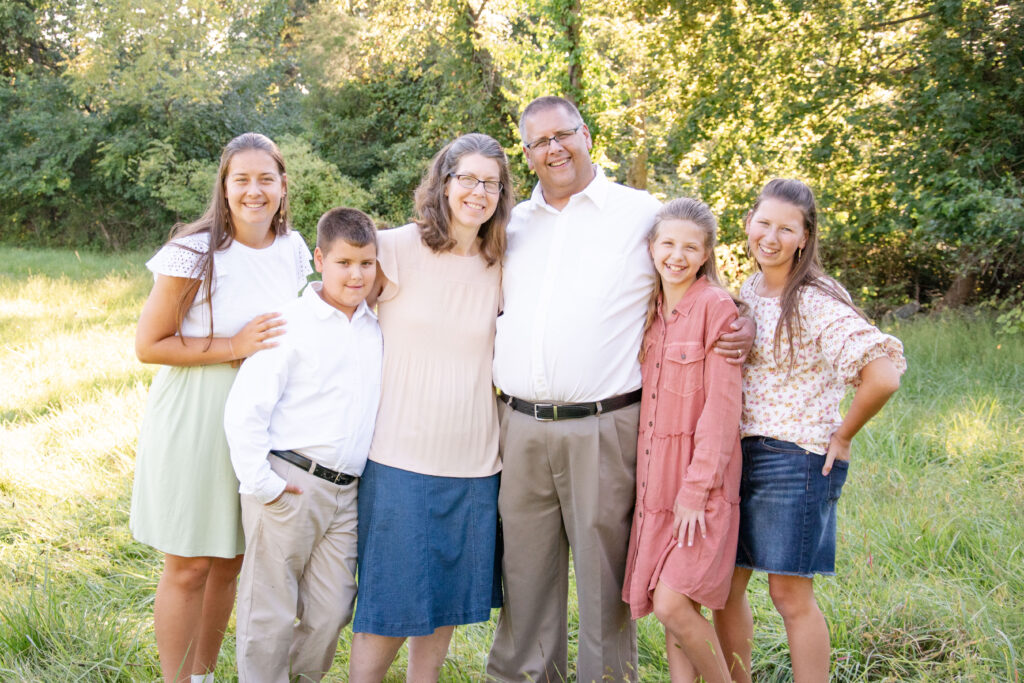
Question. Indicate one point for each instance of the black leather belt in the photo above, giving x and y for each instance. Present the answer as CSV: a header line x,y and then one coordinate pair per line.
x,y
548,412
308,465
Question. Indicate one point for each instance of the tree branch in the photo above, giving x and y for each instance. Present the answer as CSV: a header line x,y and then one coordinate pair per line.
x,y
894,22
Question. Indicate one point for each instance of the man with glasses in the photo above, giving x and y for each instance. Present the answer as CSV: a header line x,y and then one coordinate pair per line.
x,y
576,281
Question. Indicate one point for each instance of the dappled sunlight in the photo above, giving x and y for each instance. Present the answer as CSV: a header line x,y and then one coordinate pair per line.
x,y
40,375
982,429
41,306
84,449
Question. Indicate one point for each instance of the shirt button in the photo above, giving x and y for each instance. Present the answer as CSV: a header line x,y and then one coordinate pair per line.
x,y
650,424
657,365
641,514
654,396
682,356
647,452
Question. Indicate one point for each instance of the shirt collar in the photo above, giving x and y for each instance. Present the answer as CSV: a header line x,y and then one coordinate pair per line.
x,y
596,191
324,310
685,304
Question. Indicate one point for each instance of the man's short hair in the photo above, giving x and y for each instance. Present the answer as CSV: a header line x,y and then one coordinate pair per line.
x,y
351,225
543,104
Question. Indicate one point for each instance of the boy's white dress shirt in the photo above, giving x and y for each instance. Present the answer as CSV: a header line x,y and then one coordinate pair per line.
x,y
315,393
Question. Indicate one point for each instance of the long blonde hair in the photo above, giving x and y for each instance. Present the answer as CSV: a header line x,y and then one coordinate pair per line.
x,y
698,213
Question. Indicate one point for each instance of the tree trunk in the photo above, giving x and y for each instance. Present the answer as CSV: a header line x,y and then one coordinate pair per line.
x,y
636,175
960,292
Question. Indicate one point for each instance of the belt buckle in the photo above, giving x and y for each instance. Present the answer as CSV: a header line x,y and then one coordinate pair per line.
x,y
554,412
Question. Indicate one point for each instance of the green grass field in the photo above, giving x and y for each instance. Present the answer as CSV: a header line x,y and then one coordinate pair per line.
x,y
931,548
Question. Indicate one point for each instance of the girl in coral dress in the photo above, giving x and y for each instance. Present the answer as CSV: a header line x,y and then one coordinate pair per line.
x,y
682,547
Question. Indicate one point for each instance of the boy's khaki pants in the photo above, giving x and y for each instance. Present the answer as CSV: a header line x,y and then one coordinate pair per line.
x,y
297,586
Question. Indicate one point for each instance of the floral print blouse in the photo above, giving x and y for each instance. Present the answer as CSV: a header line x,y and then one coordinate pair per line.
x,y
800,403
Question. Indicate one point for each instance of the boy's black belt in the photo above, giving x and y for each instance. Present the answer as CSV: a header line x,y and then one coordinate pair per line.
x,y
548,412
305,463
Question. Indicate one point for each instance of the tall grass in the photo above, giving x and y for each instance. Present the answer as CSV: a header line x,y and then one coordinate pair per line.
x,y
930,567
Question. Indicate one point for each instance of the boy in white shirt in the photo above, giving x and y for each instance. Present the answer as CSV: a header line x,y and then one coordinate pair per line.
x,y
299,420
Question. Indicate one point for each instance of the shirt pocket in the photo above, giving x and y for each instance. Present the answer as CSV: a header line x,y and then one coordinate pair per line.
x,y
684,368
682,382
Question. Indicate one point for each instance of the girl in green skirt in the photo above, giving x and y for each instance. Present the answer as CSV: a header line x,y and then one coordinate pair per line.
x,y
217,282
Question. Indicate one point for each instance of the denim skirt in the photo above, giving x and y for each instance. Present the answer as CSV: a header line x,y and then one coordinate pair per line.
x,y
787,509
428,551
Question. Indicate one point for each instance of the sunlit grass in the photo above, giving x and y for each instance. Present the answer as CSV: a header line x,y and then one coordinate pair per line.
x,y
930,582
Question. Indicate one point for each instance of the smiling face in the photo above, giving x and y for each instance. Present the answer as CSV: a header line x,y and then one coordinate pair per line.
x,y
253,187
563,168
774,232
348,272
472,207
678,250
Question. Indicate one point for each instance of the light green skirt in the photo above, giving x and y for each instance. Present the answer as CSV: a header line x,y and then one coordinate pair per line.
x,y
185,497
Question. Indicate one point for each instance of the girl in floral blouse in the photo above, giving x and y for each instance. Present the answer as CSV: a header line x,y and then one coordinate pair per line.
x,y
811,343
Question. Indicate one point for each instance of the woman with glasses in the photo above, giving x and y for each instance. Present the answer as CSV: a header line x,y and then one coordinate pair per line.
x,y
428,497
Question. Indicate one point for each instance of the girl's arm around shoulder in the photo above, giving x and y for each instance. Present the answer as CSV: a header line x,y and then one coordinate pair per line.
x,y
156,339
879,380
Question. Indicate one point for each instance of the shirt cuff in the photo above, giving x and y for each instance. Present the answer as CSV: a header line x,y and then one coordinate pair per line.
x,y
270,488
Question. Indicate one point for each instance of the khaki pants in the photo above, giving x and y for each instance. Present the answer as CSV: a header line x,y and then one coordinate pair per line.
x,y
565,485
297,585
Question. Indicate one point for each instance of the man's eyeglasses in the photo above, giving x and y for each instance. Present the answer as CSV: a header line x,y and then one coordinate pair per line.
x,y
470,182
560,137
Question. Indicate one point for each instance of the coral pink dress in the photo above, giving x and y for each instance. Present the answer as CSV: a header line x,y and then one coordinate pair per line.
x,y
688,451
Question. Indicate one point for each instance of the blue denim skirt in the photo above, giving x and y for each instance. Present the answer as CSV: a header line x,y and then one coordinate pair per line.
x,y
787,509
428,551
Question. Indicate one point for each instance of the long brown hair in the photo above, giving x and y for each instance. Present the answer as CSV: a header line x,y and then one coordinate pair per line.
x,y
216,221
434,215
698,213
806,269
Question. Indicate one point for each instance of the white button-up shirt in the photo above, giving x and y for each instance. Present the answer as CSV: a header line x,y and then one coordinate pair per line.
x,y
315,393
575,283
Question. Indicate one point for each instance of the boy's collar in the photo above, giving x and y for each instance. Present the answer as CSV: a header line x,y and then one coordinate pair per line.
x,y
324,310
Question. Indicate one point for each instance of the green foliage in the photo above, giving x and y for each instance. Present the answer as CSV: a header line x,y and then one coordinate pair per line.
x,y
411,88
132,79
316,185
904,115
